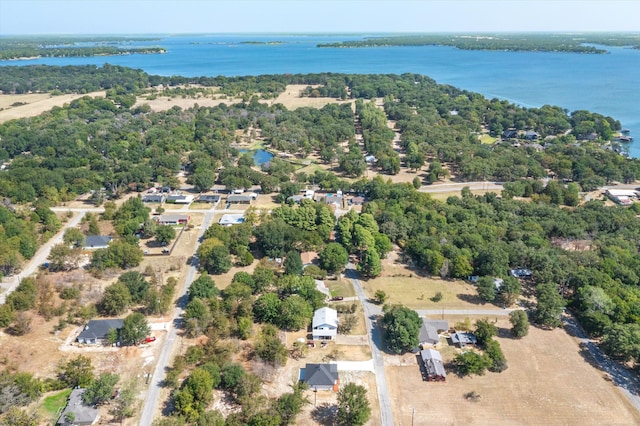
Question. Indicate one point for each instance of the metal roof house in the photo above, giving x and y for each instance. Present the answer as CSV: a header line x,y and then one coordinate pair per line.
x,y
95,332
208,198
463,338
321,376
242,199
231,219
95,242
325,324
429,332
433,365
76,409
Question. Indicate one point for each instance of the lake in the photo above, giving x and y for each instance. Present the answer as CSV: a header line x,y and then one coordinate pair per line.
x,y
608,84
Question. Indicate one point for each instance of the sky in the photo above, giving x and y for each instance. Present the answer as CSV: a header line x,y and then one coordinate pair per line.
x,y
312,16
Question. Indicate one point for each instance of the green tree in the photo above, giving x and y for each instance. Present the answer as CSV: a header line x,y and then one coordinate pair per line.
x,y
267,308
622,341
509,291
380,297
76,372
486,288
550,305
370,266
134,329
101,389
333,258
519,323
73,236
471,363
214,257
203,287
485,331
289,405
269,348
116,299
402,326
293,263
137,285
165,234
353,405
295,313
493,351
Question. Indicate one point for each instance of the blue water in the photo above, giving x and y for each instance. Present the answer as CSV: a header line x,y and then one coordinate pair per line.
x,y
608,84
260,156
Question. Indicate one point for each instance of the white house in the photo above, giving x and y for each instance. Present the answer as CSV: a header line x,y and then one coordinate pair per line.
x,y
231,219
325,324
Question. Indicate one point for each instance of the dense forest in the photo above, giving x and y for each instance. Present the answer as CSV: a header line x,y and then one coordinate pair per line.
x,y
116,144
578,43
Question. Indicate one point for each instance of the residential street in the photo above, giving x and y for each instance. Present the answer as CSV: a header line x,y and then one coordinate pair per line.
x,y
371,311
9,284
153,393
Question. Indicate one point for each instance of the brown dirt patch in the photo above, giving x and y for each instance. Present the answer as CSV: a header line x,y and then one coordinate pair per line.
x,y
548,382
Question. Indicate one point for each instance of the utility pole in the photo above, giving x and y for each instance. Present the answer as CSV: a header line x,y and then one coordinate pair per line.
x,y
413,413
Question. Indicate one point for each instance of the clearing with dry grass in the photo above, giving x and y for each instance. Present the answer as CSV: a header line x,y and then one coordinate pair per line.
x,y
548,382
35,104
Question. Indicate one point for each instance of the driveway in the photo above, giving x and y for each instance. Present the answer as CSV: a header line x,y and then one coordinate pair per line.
x,y
355,365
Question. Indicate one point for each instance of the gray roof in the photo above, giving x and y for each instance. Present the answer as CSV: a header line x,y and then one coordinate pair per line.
x,y
153,198
463,338
429,331
82,414
96,241
240,198
209,198
433,362
97,329
320,374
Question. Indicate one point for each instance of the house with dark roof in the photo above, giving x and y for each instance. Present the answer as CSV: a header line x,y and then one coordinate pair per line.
x,y
321,376
325,324
510,134
429,332
530,135
242,198
95,332
433,366
76,412
208,198
95,242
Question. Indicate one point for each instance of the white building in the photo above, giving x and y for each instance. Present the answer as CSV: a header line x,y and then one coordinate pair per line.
x,y
231,219
325,324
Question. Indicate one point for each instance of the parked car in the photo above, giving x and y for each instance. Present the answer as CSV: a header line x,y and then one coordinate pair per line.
x,y
337,298
149,339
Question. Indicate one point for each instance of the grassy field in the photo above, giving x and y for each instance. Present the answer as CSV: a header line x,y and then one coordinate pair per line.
x,y
340,287
53,404
416,292
486,139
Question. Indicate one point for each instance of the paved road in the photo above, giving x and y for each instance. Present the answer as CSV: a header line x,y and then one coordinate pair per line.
x,y
490,312
10,284
624,379
375,342
153,393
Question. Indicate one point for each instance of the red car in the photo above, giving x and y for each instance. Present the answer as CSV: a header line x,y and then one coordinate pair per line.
x,y
149,339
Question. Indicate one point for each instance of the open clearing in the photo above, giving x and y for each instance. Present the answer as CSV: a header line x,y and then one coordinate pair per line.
x,y
548,382
36,103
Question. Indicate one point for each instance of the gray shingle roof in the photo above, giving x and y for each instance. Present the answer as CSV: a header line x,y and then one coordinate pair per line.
x,y
320,374
97,329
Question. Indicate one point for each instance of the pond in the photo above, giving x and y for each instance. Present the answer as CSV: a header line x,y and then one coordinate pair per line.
x,y
260,156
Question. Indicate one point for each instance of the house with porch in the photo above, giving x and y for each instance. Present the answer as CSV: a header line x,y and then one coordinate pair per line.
x,y
96,331
321,377
324,324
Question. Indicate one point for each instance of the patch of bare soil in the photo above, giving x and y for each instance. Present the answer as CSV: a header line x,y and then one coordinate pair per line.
x,y
34,104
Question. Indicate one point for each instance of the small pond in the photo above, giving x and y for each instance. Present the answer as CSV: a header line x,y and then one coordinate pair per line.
x,y
260,156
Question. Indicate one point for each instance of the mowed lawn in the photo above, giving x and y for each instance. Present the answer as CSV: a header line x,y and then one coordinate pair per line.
x,y
54,404
417,292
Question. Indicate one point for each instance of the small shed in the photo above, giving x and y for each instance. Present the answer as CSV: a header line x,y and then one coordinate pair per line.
x,y
433,365
321,376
